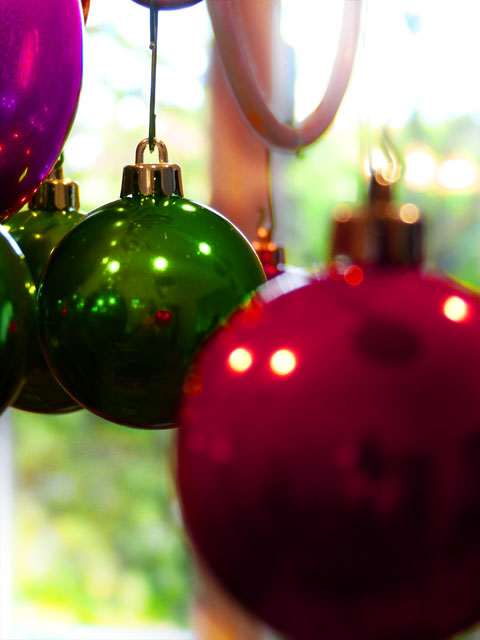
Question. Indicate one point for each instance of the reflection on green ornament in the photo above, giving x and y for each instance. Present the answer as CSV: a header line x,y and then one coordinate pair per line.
x,y
52,212
17,317
132,291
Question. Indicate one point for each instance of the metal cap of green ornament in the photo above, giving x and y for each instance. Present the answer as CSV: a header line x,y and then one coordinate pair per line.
x,y
132,291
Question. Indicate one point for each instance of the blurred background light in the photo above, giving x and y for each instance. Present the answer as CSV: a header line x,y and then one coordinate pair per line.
x,y
457,174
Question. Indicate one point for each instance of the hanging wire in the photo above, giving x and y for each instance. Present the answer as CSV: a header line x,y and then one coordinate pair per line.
x,y
269,215
383,139
396,162
60,159
56,172
266,222
365,97
153,79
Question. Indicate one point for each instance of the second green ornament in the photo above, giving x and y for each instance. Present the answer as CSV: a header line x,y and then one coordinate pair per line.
x,y
132,291
53,210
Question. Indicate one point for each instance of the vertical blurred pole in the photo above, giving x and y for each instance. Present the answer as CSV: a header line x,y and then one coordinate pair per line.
x,y
238,158
283,87
6,524
239,177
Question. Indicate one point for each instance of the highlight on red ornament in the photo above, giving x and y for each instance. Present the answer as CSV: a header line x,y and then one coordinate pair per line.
x,y
240,360
328,456
353,275
283,362
457,309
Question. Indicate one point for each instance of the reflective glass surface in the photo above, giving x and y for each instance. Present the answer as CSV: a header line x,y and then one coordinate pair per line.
x,y
128,296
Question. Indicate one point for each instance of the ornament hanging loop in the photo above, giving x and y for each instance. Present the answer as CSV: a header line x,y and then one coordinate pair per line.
x,y
159,144
147,179
57,170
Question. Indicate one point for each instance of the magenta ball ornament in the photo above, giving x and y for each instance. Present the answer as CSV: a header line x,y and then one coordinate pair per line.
x,y
40,78
168,4
329,456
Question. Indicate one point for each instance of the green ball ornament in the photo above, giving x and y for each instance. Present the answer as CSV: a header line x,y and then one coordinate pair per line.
x,y
131,292
53,210
17,317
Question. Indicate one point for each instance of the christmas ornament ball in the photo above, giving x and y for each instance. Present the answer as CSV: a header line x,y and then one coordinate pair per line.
x,y
168,4
329,456
130,293
52,212
40,80
17,317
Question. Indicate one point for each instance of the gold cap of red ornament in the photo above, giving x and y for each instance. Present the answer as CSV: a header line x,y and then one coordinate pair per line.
x,y
381,232
272,256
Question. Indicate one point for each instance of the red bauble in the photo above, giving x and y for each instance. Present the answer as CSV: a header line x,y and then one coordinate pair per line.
x,y
329,457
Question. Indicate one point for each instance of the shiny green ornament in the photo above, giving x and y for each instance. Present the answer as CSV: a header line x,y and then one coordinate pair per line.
x,y
17,317
53,210
132,291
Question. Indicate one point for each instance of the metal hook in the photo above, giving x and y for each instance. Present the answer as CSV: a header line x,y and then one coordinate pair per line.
x,y
153,78
56,172
143,144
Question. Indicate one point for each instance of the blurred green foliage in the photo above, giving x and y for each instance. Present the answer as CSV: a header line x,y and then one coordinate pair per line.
x,y
98,533
330,172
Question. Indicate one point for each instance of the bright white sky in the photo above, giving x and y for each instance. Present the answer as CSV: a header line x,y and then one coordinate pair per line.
x,y
413,54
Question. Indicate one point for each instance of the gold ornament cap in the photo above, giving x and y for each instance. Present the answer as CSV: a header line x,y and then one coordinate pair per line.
x,y
56,193
380,232
269,252
147,179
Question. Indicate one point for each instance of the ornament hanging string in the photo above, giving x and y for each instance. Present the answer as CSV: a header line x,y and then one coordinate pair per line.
x,y
394,166
267,219
153,79
269,191
58,166
235,56
395,163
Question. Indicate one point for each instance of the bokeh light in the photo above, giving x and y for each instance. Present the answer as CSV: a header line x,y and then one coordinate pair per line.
x,y
283,362
456,309
457,174
353,275
420,168
409,213
240,360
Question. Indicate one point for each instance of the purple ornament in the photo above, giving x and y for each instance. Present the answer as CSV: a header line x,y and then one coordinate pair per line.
x,y
168,4
40,79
